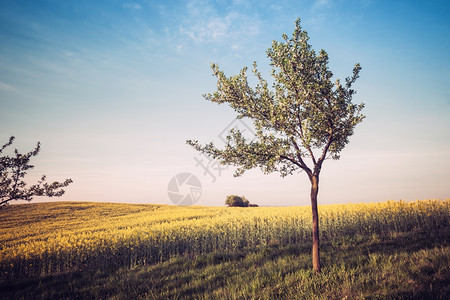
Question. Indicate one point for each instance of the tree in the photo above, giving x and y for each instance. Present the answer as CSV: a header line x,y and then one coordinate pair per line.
x,y
301,121
12,171
236,201
245,201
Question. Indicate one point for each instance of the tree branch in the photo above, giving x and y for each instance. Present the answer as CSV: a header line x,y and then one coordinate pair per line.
x,y
12,171
318,166
302,164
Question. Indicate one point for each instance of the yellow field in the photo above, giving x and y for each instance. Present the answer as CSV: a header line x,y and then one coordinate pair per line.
x,y
50,238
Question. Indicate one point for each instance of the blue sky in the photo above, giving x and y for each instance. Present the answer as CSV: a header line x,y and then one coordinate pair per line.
x,y
112,89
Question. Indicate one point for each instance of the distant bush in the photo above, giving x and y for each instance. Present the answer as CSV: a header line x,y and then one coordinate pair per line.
x,y
237,201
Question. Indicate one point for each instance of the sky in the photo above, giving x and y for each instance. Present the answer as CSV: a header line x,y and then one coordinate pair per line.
x,y
113,89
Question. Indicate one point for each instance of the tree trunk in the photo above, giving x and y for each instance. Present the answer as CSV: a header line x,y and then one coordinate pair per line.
x,y
315,229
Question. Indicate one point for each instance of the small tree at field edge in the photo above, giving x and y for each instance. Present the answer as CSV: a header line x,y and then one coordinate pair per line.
x,y
12,171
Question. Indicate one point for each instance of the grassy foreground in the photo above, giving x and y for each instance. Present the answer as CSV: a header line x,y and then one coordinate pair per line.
x,y
60,250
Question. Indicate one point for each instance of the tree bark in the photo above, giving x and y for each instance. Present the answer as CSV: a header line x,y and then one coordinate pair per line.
x,y
315,229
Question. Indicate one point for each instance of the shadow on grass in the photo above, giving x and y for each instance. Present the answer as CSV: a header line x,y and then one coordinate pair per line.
x,y
187,278
409,242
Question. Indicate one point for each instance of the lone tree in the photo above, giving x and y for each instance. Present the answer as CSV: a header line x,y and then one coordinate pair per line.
x,y
12,171
302,120
236,201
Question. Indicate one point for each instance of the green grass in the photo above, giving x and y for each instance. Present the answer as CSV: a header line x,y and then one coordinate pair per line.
x,y
412,265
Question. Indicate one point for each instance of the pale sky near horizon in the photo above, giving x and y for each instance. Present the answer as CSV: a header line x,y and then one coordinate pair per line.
x,y
112,90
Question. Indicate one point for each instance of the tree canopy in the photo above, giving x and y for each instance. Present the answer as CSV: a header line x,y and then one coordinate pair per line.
x,y
303,112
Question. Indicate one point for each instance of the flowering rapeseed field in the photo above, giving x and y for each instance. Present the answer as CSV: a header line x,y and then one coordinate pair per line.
x,y
51,238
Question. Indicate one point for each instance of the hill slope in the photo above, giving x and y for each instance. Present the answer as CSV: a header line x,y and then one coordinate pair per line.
x,y
90,250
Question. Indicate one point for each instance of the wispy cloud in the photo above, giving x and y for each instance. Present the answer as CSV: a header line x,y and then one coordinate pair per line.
x,y
205,23
213,29
318,3
321,6
6,87
132,5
